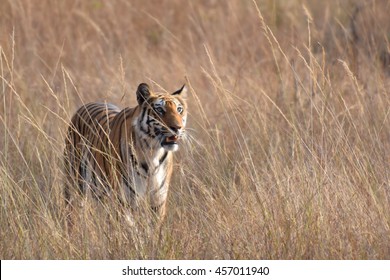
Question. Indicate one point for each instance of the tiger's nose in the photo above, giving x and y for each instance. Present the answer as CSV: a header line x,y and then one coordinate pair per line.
x,y
175,128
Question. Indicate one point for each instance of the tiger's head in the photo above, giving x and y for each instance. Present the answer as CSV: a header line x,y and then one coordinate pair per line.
x,y
162,116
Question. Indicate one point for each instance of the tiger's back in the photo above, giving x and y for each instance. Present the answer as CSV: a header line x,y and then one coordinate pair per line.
x,y
87,146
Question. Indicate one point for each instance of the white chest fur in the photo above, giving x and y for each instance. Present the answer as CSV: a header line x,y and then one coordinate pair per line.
x,y
149,179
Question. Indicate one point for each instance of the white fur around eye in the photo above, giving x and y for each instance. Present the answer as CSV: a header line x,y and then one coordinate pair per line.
x,y
160,102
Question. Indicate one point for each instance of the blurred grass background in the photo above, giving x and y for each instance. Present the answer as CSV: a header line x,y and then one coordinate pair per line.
x,y
289,131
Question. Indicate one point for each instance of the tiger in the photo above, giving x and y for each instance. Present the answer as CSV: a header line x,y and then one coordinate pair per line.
x,y
126,154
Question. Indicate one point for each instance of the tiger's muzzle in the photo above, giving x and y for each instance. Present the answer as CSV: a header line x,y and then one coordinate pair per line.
x,y
172,137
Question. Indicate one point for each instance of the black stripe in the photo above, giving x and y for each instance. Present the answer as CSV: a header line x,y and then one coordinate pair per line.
x,y
81,127
106,156
147,143
82,171
143,130
163,182
145,167
94,178
149,120
72,133
162,159
142,117
121,125
120,142
148,125
127,183
143,113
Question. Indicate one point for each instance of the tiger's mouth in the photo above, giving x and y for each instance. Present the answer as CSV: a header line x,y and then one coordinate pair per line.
x,y
170,140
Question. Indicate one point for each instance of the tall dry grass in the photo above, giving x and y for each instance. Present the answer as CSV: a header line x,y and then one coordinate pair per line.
x,y
288,148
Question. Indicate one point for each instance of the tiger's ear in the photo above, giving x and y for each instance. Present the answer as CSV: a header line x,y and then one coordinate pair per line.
x,y
143,93
182,91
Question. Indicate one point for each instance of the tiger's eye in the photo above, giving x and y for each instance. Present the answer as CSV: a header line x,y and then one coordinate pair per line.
x,y
159,110
180,109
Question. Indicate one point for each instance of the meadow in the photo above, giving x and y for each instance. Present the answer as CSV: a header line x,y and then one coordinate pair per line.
x,y
288,147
